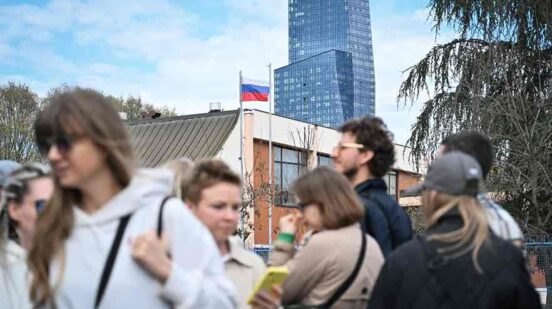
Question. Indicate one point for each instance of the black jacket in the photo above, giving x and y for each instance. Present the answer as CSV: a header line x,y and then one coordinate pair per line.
x,y
416,277
384,219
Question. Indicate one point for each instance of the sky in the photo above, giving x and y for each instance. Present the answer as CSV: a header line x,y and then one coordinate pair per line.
x,y
185,54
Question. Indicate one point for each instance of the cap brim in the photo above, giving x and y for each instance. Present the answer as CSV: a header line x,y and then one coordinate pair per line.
x,y
413,191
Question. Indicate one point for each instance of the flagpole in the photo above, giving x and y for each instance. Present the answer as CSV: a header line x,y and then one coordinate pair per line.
x,y
270,200
241,129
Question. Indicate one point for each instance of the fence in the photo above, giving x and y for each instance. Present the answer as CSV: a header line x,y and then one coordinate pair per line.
x,y
539,262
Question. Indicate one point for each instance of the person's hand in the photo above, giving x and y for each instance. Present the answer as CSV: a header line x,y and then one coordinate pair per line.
x,y
288,223
268,300
150,252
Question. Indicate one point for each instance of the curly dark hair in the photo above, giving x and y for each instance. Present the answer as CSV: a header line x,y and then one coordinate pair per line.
x,y
374,135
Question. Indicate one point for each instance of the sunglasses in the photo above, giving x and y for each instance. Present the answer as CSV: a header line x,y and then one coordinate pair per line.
x,y
341,146
63,144
303,205
40,205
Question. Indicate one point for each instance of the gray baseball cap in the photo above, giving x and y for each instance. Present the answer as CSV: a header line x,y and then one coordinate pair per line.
x,y
454,173
6,168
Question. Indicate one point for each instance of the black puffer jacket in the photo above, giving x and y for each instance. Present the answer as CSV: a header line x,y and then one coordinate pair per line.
x,y
384,219
416,277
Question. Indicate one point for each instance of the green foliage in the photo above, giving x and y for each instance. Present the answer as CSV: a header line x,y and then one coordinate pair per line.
x,y
495,78
134,107
19,105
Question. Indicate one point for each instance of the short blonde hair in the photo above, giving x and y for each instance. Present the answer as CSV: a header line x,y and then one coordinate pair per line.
x,y
331,192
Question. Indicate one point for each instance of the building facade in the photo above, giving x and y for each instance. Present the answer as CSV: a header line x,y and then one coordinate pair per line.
x,y
296,148
330,78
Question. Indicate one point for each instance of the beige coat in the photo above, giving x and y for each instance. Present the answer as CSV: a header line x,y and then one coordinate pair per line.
x,y
323,263
244,268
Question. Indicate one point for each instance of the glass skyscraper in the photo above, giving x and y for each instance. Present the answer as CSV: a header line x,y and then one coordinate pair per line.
x,y
330,78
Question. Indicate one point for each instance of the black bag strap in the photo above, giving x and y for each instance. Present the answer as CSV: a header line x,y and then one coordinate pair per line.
x,y
108,267
160,216
347,283
160,226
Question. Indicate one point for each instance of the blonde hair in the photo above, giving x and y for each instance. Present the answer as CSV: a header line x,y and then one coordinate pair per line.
x,y
474,232
89,114
182,169
332,193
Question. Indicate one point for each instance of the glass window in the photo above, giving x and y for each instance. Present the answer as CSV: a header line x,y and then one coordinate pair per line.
x,y
391,181
288,164
289,156
324,160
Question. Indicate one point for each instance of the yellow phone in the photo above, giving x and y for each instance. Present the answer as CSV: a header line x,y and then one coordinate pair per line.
x,y
274,275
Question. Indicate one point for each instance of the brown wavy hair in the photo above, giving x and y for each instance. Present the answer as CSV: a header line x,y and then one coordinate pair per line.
x,y
88,113
206,174
331,192
474,232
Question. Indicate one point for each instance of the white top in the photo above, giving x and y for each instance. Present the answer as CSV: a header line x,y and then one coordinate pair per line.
x,y
197,278
13,277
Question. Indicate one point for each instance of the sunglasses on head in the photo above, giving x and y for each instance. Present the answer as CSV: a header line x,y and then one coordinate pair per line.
x,y
63,144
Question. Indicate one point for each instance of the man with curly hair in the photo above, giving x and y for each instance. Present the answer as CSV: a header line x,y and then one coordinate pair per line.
x,y
364,154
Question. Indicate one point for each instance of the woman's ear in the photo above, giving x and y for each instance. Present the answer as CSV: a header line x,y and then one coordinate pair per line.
x,y
14,211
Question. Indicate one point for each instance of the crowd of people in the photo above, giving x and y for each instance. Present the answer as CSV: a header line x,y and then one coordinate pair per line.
x,y
91,230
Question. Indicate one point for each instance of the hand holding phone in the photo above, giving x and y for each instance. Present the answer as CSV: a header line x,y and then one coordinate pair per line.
x,y
273,276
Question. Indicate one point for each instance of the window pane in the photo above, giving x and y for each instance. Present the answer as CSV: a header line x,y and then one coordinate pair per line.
x,y
391,181
324,161
289,173
277,182
304,157
277,153
289,156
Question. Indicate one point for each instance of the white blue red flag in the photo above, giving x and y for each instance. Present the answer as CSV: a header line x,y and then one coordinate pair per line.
x,y
254,90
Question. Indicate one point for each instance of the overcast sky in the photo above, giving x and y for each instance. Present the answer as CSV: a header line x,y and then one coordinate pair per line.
x,y
185,54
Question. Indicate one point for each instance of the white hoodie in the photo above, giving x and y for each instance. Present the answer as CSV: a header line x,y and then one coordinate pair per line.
x,y
197,278
14,293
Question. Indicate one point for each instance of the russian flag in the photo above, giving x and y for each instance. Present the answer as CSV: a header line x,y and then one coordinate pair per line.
x,y
252,90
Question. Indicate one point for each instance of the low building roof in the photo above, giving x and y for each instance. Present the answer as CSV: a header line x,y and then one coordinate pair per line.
x,y
199,136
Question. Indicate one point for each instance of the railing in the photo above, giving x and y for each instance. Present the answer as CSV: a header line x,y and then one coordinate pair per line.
x,y
539,262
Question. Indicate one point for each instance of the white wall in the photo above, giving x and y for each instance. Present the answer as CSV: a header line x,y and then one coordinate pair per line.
x,y
282,129
285,129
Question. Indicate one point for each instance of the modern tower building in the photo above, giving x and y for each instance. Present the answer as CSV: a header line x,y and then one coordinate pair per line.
x,y
330,78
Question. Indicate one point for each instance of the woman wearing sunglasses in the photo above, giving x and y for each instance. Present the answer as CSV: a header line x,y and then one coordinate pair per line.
x,y
24,195
338,264
93,247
